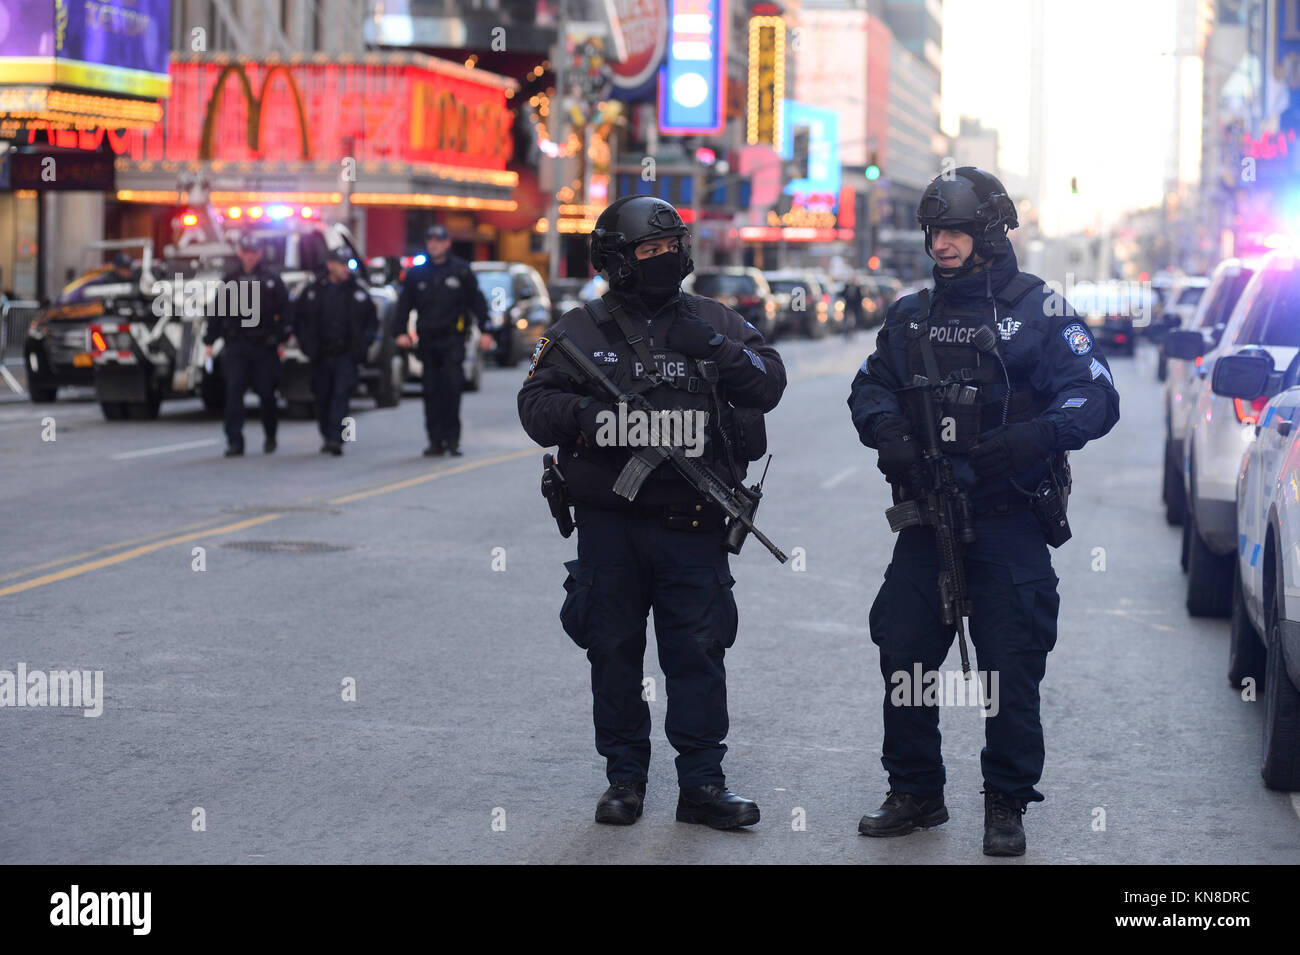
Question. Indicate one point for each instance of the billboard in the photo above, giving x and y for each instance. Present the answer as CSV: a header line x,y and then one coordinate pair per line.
x,y
108,46
643,25
691,82
766,90
820,128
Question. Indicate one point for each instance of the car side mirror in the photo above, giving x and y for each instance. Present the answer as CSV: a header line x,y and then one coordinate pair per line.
x,y
1243,376
1187,346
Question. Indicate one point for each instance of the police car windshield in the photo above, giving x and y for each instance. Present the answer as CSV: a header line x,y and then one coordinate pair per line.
x,y
496,288
1191,295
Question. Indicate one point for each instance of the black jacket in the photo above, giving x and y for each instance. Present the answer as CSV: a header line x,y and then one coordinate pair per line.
x,y
442,295
1054,365
751,375
270,320
360,327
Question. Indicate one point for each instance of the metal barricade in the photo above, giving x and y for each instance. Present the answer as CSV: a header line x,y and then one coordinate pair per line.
x,y
15,316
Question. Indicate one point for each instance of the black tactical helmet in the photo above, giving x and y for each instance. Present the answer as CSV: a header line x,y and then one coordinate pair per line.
x,y
624,225
969,200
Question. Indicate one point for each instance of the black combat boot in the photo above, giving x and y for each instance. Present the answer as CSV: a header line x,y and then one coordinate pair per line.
x,y
902,812
234,450
621,804
715,806
1004,833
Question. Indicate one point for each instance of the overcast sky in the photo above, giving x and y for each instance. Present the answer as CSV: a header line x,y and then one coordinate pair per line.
x,y
1110,96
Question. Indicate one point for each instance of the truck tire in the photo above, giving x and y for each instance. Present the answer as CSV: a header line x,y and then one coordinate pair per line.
x,y
1246,655
146,410
1280,766
1209,576
1175,497
113,410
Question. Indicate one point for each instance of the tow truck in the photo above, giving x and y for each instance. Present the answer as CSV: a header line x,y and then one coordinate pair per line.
x,y
148,346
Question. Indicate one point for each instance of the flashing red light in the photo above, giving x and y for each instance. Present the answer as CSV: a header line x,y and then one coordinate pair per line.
x,y
1200,360
873,263
190,219
1120,338
1252,416
97,342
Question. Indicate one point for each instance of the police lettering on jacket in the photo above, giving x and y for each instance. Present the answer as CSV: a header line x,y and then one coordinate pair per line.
x,y
548,400
1035,342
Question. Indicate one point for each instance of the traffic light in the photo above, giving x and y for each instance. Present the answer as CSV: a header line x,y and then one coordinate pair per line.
x,y
873,169
1074,185
873,263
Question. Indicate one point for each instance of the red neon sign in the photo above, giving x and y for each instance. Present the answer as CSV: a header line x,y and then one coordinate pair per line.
x,y
1267,146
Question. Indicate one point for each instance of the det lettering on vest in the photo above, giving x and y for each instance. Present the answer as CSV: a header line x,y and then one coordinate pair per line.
x,y
640,429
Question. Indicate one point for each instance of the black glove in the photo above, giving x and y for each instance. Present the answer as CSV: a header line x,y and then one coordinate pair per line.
x,y
693,337
899,449
587,413
1012,448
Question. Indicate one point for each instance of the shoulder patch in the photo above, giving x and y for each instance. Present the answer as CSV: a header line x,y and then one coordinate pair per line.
x,y
537,354
757,361
1077,337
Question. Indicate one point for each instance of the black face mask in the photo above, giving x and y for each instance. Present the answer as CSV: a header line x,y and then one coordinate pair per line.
x,y
659,276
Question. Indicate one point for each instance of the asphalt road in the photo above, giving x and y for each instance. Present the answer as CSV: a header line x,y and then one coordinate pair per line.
x,y
433,587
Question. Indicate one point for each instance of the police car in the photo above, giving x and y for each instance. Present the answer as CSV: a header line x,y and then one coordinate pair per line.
x,y
1265,321
1199,334
1264,645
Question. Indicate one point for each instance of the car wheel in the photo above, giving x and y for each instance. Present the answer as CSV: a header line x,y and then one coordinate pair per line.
x,y
1174,496
1187,544
1209,575
145,410
1246,654
1280,766
387,388
113,410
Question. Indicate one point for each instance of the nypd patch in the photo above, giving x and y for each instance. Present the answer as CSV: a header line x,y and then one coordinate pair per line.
x,y
537,355
1077,337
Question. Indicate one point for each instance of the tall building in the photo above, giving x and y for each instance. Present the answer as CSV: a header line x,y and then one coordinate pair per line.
x,y
976,145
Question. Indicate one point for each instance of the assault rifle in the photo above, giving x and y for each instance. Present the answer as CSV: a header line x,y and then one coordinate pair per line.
x,y
739,507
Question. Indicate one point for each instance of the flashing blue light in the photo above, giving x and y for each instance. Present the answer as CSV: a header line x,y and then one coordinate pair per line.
x,y
279,212
419,260
352,263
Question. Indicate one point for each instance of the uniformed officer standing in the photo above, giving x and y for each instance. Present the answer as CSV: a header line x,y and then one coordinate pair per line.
x,y
251,353
1008,405
445,295
664,550
335,321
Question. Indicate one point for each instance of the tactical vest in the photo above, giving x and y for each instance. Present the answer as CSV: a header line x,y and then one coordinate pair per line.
x,y
972,395
676,382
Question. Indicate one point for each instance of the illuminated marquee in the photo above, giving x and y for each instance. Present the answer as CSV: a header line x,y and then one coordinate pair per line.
x,y
394,110
766,90
692,81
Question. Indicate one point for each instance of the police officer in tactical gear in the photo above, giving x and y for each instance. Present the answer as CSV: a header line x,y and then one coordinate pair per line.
x,y
664,549
1015,379
336,322
445,295
251,353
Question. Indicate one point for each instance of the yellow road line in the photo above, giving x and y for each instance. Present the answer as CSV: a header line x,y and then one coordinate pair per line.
x,y
424,478
220,529
99,550
130,554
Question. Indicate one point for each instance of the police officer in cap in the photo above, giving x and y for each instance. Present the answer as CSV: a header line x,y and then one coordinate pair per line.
x,y
251,353
664,549
336,322
446,296
1015,379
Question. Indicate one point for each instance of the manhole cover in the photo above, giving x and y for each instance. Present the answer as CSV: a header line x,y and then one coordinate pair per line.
x,y
287,547
258,509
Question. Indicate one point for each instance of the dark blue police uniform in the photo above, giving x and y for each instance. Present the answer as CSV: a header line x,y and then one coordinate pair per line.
x,y
1050,371
335,323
